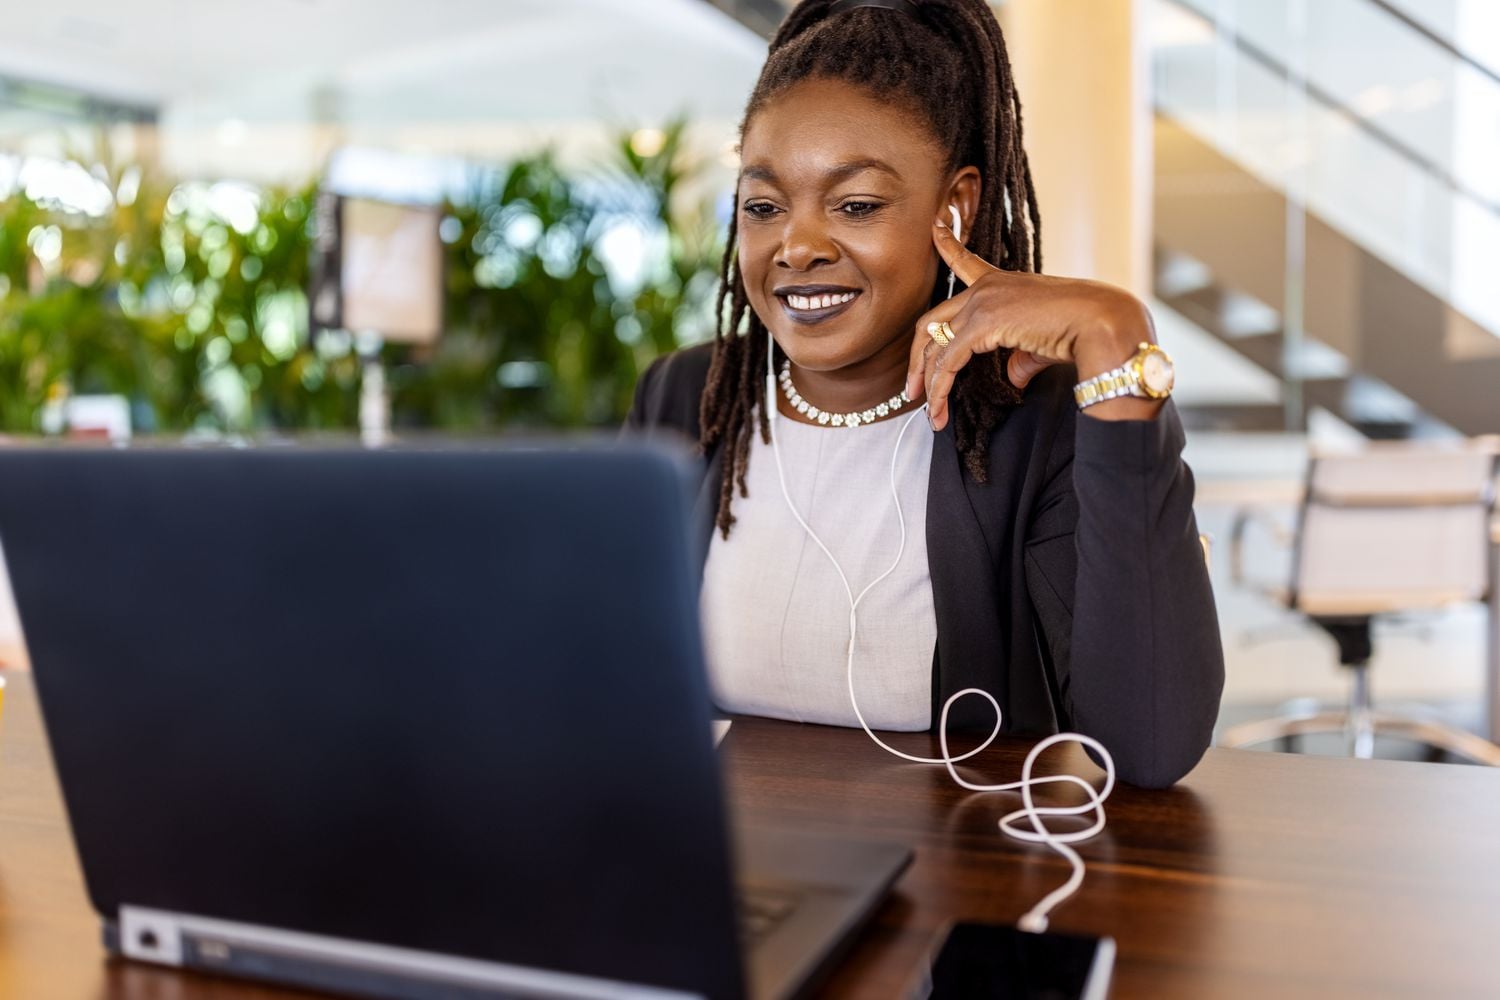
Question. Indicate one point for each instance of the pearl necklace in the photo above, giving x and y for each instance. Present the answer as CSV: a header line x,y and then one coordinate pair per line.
x,y
810,411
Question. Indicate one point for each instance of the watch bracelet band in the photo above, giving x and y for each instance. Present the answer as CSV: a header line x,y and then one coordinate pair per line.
x,y
1121,381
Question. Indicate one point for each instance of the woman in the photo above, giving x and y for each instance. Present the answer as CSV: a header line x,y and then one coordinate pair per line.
x,y
1047,554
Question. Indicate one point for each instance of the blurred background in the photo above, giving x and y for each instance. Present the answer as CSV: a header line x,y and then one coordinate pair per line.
x,y
240,223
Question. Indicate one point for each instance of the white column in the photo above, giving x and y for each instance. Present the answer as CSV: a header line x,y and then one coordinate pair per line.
x,y
1082,68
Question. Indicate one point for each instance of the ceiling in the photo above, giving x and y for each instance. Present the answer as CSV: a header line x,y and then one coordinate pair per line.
x,y
281,59
231,79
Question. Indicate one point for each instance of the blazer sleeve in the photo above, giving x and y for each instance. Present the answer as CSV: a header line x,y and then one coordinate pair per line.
x,y
667,395
1127,610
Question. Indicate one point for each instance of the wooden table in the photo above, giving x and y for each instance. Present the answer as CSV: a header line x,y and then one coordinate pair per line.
x,y
1261,875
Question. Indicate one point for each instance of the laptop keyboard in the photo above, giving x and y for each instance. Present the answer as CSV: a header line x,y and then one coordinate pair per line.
x,y
761,909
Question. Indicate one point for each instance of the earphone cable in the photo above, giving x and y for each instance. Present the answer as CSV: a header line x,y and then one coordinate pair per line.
x,y
1035,830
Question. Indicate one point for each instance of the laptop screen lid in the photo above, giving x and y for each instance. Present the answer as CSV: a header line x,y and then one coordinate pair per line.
x,y
444,701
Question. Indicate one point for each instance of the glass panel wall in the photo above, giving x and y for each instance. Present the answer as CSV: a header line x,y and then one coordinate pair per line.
x,y
1383,133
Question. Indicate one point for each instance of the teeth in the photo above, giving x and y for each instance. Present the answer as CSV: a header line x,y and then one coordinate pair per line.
x,y
818,301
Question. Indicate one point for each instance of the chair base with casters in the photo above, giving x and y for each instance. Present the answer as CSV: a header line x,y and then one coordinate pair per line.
x,y
1360,723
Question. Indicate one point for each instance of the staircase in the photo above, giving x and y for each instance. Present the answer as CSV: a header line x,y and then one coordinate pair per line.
x,y
1379,344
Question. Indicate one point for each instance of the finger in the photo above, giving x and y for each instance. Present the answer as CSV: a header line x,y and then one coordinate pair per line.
x,y
916,364
917,391
1025,366
942,369
967,264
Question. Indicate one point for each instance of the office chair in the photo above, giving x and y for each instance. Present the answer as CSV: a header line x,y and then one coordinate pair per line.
x,y
1392,529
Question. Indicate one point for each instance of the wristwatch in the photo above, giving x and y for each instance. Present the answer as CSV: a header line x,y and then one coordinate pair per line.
x,y
1148,374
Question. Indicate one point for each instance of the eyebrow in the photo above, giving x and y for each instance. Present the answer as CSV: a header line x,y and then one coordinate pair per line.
x,y
839,173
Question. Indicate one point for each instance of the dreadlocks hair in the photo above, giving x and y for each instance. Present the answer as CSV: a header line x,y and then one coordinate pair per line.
x,y
948,64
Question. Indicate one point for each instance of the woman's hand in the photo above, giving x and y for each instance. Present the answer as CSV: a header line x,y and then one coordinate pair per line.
x,y
1043,319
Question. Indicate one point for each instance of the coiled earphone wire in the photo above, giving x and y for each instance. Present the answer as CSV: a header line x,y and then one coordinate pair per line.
x,y
1035,829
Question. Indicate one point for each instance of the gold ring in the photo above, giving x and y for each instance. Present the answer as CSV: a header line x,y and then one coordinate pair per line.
x,y
940,332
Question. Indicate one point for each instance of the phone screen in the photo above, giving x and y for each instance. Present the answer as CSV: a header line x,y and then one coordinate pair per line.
x,y
992,960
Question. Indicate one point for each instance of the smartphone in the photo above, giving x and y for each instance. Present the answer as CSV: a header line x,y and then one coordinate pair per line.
x,y
980,961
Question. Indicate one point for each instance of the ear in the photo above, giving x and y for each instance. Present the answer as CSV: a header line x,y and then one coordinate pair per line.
x,y
963,189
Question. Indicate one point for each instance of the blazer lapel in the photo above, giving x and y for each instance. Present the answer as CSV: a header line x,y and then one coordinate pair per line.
x,y
965,594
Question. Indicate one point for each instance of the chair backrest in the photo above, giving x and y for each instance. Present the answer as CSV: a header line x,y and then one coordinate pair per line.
x,y
1394,528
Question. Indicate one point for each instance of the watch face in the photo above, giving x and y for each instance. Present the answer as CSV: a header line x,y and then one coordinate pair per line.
x,y
1157,373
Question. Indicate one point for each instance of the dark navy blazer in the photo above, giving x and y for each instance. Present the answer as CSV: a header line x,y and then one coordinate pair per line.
x,y
1071,585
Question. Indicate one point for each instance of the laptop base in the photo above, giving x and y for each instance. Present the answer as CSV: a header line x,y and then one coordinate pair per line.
x,y
337,965
823,891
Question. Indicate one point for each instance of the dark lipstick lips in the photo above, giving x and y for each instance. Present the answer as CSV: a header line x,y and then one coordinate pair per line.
x,y
810,316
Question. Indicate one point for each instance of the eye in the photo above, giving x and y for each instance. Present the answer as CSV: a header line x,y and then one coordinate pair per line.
x,y
859,209
759,209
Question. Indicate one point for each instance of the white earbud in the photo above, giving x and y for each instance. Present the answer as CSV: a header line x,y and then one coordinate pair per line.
x,y
958,234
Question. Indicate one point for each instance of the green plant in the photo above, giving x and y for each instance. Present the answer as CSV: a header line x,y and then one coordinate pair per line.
x,y
189,300
235,266
540,332
61,322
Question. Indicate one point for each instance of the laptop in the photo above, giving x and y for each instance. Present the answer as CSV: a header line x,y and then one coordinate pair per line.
x,y
405,724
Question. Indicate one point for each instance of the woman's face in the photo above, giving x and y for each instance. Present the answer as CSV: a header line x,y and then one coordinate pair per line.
x,y
837,196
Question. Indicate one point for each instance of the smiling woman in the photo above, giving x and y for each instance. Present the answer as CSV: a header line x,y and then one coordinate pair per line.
x,y
1059,568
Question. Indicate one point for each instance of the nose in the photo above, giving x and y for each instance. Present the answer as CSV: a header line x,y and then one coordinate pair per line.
x,y
804,244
